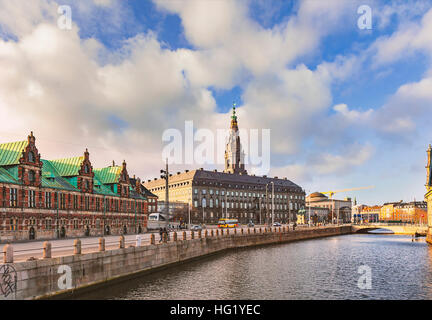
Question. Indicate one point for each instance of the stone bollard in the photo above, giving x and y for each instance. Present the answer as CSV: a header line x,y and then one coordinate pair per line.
x,y
101,244
175,236
279,229
241,230
152,239
254,229
227,232
8,254
211,233
47,250
235,231
199,234
184,235
77,246
260,230
164,238
122,241
248,231
283,229
192,234
222,232
217,232
205,234
138,241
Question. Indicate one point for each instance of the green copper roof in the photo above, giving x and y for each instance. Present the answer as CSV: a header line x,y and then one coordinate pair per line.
x,y
10,153
51,178
5,176
68,167
108,174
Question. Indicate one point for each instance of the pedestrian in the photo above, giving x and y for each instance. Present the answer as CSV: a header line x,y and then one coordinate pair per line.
x,y
160,234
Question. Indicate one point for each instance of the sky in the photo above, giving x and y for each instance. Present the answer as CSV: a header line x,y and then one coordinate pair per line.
x,y
346,107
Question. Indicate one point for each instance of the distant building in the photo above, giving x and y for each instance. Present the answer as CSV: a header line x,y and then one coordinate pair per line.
x,y
405,212
232,193
336,208
368,214
316,214
428,195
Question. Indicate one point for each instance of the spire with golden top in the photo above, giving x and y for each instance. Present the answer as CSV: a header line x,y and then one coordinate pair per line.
x,y
234,118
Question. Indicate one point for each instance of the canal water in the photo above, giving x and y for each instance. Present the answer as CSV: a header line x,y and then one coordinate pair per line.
x,y
326,268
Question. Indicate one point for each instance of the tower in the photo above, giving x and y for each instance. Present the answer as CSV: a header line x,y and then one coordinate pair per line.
x,y
234,156
429,169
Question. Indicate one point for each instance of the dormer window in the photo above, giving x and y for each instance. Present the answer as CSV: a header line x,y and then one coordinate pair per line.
x,y
86,168
31,157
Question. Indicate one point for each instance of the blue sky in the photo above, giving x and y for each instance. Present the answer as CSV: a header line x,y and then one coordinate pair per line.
x,y
346,107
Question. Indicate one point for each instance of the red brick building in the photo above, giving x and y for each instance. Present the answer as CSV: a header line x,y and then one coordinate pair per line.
x,y
42,199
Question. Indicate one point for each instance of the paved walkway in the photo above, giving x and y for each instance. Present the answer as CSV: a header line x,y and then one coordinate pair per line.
x,y
64,247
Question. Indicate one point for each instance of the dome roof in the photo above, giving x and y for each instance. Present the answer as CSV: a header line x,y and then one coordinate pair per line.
x,y
317,195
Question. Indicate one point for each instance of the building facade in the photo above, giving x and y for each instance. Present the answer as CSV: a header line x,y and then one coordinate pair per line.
x,y
338,209
428,195
43,199
232,193
414,212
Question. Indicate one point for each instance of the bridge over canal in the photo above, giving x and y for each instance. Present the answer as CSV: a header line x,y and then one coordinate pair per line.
x,y
396,228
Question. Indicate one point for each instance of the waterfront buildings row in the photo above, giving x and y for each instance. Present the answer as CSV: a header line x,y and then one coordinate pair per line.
x,y
67,197
414,212
232,193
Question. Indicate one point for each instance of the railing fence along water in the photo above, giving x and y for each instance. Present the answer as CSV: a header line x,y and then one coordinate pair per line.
x,y
101,244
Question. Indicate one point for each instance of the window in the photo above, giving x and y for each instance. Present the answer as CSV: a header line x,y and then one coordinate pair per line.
x,y
75,201
48,224
32,199
47,199
211,191
211,203
86,168
195,191
204,191
32,176
13,197
62,201
196,203
31,157
75,223
204,202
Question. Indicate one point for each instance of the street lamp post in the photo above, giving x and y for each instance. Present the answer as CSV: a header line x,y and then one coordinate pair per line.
x,y
272,202
266,219
165,175
189,213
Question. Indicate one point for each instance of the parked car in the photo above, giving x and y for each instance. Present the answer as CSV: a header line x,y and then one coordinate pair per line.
x,y
276,224
251,225
196,228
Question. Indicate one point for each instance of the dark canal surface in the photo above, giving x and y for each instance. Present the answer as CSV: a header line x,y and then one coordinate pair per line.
x,y
313,269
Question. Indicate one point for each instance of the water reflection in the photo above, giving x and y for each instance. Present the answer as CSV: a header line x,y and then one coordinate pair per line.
x,y
315,269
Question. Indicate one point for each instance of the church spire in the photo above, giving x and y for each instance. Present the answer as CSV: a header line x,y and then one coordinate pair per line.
x,y
234,118
234,155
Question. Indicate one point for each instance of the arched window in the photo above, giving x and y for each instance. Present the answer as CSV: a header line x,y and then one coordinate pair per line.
x,y
31,157
32,176
204,202
86,168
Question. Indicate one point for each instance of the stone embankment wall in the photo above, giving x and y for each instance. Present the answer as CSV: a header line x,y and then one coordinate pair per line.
x,y
62,276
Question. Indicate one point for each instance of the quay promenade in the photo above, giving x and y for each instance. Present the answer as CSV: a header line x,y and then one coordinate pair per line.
x,y
59,272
